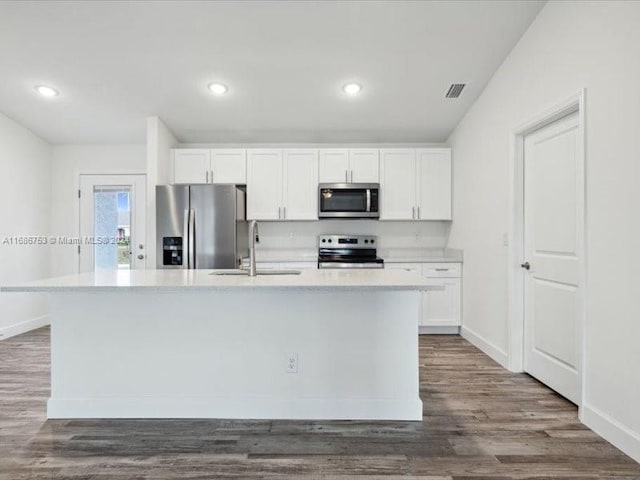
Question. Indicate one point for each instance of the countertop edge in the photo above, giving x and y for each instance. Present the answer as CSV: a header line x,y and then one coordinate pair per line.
x,y
211,288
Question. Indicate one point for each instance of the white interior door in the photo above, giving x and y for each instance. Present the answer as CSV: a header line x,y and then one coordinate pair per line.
x,y
553,232
112,222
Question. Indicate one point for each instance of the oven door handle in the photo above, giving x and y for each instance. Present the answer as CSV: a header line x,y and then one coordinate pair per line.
x,y
368,199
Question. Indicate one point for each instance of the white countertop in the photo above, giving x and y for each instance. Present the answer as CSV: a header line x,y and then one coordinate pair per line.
x,y
202,280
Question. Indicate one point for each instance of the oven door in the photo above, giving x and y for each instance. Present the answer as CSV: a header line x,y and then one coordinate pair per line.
x,y
348,200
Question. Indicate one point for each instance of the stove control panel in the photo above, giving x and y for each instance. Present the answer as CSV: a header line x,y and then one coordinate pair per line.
x,y
347,241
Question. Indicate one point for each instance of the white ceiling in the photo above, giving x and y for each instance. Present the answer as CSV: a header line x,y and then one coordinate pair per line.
x,y
115,63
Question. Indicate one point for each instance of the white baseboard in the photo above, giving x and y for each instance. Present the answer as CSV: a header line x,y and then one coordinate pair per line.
x,y
23,327
433,330
611,430
487,347
245,407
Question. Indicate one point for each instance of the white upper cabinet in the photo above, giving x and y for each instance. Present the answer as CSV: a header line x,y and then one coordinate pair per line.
x,y
398,184
191,165
201,165
264,184
282,184
300,184
415,184
434,183
334,165
349,165
364,165
229,165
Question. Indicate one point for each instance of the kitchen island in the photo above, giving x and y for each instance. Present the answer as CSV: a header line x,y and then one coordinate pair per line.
x,y
323,344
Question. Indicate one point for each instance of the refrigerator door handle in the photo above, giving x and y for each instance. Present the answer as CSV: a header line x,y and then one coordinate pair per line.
x,y
185,239
192,238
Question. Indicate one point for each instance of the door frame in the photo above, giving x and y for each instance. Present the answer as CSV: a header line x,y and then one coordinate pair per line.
x,y
516,277
77,174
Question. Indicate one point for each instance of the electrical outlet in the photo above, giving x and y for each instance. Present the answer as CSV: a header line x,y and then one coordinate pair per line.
x,y
292,236
292,363
505,239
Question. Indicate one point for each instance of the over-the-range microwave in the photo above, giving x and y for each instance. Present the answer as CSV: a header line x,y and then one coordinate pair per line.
x,y
349,200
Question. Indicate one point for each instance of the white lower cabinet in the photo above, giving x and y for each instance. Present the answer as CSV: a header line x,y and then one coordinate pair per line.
x,y
439,308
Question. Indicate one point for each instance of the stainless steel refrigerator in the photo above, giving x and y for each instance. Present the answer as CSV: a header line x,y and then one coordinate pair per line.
x,y
200,226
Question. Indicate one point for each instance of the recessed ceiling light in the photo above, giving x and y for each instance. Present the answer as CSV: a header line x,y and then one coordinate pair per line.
x,y
352,88
47,91
218,88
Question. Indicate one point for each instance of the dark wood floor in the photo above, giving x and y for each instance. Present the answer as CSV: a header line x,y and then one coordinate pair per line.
x,y
480,422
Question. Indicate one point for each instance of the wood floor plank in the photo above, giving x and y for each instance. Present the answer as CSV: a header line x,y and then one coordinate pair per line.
x,y
480,422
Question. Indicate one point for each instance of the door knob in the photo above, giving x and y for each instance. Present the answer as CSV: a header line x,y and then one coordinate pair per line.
x,y
140,257
525,265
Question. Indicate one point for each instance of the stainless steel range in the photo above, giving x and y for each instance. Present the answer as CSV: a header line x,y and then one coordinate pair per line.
x,y
348,251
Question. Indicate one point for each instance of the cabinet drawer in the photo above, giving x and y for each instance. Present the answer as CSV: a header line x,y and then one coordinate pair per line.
x,y
411,267
440,270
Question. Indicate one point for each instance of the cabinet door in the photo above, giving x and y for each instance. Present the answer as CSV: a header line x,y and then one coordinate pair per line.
x,y
397,182
441,308
364,165
333,165
410,267
264,184
191,165
434,183
300,184
229,165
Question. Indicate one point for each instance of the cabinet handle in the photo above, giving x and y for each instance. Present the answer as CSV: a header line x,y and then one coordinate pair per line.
x,y
442,269
207,176
211,176
346,176
418,205
284,213
351,176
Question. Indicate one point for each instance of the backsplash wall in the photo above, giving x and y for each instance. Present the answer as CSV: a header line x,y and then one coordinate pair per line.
x,y
390,234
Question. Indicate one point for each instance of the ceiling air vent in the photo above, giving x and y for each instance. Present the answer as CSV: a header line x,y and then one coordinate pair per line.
x,y
455,90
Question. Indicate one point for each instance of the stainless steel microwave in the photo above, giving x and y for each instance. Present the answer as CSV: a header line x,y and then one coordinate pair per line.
x,y
349,200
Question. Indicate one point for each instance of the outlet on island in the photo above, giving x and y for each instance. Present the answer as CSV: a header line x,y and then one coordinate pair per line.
x,y
292,363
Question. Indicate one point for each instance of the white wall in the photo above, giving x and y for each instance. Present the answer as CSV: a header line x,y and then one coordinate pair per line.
x,y
571,45
160,141
69,161
25,194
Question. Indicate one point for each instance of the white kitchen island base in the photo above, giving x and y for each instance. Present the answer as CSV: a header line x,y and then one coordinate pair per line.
x,y
225,355
220,347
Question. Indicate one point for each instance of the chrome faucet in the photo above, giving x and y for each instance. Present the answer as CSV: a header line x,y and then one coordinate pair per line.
x,y
253,236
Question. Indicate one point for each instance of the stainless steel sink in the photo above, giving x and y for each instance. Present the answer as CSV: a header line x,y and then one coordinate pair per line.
x,y
258,273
